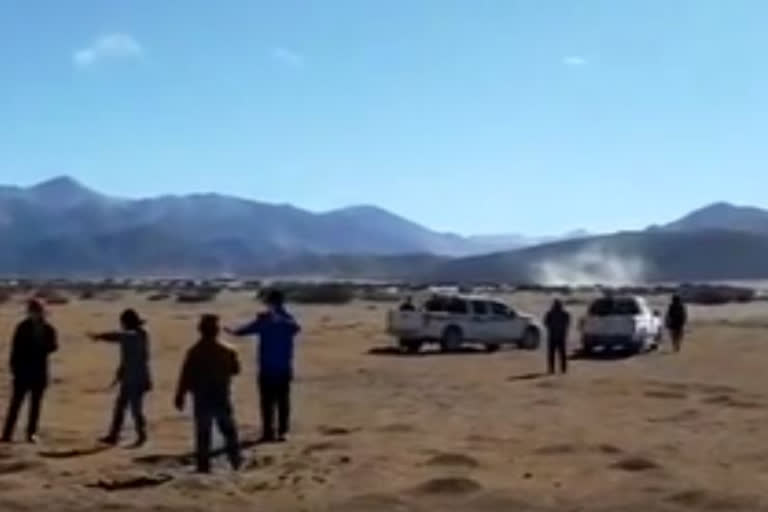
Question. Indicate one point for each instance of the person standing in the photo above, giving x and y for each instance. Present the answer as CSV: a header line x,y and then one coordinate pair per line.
x,y
677,318
557,322
33,342
133,375
207,374
277,330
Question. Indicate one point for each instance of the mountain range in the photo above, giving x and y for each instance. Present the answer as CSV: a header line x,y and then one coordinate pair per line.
x,y
62,228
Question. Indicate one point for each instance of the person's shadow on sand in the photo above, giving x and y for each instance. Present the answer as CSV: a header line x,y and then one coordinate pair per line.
x,y
186,459
605,355
74,452
396,352
527,376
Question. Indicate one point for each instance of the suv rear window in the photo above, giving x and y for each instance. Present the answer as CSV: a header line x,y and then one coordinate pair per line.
x,y
610,307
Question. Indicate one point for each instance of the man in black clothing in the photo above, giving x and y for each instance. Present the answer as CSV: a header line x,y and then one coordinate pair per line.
x,y
677,317
133,375
558,322
33,342
407,305
207,374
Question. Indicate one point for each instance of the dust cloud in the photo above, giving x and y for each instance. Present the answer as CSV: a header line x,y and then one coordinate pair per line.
x,y
593,266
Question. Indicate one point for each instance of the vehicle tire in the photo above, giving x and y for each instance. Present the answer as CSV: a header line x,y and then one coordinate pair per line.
x,y
531,339
410,346
452,339
492,347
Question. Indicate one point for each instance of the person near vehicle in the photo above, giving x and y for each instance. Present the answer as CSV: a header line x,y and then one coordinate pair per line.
x,y
407,305
277,330
557,322
677,317
133,375
207,375
33,342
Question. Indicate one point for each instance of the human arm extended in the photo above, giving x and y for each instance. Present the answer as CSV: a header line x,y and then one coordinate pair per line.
x,y
109,336
248,329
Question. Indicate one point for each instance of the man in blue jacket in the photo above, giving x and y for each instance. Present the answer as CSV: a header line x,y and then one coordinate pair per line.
x,y
276,329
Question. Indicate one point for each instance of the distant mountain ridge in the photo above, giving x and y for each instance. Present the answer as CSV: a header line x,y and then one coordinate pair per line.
x,y
61,228
723,215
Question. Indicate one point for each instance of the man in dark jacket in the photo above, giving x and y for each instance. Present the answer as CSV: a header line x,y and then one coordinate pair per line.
x,y
33,342
276,329
207,374
557,322
677,317
133,375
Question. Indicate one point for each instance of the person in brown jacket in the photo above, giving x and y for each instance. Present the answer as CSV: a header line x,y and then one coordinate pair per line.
x,y
207,374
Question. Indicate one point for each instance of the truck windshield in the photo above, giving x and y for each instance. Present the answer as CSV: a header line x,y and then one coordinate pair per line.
x,y
611,307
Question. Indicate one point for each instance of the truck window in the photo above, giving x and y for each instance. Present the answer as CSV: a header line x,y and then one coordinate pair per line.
x,y
479,307
601,307
435,304
626,307
499,309
457,306
610,307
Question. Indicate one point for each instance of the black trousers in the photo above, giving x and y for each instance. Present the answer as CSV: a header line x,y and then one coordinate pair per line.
x,y
132,399
556,349
20,392
676,335
275,394
206,413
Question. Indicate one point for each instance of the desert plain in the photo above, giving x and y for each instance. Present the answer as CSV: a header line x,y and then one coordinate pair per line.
x,y
377,431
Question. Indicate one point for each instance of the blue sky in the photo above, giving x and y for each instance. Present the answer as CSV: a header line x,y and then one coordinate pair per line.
x,y
474,116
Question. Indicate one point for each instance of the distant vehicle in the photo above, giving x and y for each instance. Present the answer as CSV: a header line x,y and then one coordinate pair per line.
x,y
621,323
454,320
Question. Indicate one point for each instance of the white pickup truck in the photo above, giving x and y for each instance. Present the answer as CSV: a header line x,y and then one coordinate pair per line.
x,y
620,323
453,320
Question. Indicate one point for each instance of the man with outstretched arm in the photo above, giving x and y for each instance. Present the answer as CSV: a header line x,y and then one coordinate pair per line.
x,y
277,330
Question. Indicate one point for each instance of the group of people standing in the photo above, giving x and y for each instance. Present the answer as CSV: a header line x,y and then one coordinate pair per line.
x,y
206,375
558,323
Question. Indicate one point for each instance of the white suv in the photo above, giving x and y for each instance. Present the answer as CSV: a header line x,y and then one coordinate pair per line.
x,y
453,320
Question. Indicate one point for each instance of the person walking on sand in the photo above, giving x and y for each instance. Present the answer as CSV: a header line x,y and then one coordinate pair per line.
x,y
133,375
277,330
557,322
33,342
207,374
677,318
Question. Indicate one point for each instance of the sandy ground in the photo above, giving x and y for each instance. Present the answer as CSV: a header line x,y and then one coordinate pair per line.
x,y
381,432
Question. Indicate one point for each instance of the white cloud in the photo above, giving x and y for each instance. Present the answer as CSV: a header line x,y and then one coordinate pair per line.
x,y
575,60
108,46
289,57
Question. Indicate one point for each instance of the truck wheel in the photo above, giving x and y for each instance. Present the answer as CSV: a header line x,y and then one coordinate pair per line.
x,y
452,339
492,347
410,346
531,339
